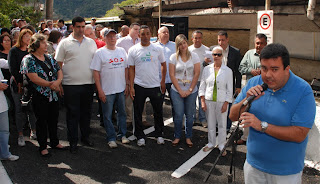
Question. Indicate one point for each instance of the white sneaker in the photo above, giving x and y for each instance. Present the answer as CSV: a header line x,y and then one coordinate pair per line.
x,y
21,141
112,144
33,136
141,142
11,158
125,140
160,140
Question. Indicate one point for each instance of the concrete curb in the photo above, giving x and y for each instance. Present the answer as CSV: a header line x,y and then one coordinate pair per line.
x,y
4,178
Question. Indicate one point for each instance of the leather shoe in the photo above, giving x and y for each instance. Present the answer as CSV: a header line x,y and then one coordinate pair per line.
x,y
240,142
87,142
146,124
73,149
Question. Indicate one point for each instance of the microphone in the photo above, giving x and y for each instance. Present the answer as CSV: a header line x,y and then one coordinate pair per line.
x,y
251,98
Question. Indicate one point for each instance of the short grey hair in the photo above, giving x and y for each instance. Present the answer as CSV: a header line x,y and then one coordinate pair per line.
x,y
161,28
217,48
88,26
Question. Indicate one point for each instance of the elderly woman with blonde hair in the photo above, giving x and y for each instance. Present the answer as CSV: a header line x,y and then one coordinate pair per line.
x,y
184,71
215,92
46,76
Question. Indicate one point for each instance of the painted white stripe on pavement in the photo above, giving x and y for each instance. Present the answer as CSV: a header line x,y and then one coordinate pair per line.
x,y
4,178
188,165
151,129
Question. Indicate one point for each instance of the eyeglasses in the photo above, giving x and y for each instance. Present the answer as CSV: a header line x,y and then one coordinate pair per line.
x,y
217,54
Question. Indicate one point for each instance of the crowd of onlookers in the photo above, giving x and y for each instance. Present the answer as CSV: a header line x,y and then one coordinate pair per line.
x,y
58,63
124,69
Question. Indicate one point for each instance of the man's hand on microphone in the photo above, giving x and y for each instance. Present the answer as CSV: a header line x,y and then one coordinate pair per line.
x,y
255,91
249,120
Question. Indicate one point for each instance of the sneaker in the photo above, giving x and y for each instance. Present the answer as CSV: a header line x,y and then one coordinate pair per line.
x,y
11,158
125,140
33,136
112,144
21,141
160,140
204,124
141,142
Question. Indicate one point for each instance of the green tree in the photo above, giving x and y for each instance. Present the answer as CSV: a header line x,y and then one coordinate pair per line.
x,y
12,9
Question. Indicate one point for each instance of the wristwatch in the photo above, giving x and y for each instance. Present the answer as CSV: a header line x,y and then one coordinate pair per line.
x,y
190,89
264,126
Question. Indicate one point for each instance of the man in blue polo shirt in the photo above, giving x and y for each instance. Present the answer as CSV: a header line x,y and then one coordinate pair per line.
x,y
279,120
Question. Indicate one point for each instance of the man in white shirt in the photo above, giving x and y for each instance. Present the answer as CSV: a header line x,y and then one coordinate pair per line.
x,y
124,32
168,48
199,49
110,70
74,54
144,59
50,26
127,42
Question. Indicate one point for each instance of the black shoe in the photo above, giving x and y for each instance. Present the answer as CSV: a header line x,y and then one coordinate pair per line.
x,y
73,149
87,142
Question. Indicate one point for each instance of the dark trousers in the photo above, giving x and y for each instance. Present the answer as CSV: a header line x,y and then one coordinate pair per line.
x,y
168,87
229,122
156,100
78,101
47,114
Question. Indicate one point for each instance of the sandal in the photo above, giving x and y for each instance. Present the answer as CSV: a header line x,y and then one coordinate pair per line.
x,y
175,142
224,154
206,148
45,153
59,147
189,143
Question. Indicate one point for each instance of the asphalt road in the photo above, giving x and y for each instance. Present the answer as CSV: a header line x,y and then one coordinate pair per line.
x,y
125,164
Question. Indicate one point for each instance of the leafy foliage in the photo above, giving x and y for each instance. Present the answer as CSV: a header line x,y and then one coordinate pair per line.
x,y
115,11
67,9
12,9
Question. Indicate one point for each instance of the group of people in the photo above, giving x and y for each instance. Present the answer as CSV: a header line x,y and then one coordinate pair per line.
x,y
126,68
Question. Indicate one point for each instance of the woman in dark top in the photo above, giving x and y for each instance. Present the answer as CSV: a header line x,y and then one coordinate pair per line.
x,y
5,46
53,41
46,76
16,53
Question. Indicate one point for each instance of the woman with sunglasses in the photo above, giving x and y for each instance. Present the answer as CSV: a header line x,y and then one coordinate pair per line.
x,y
184,71
216,93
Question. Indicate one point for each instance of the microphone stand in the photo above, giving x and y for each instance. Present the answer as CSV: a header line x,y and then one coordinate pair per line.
x,y
235,135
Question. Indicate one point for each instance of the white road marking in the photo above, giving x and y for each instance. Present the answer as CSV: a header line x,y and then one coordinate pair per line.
x,y
151,129
188,165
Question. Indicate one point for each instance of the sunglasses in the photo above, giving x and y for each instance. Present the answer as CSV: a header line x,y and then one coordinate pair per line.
x,y
218,54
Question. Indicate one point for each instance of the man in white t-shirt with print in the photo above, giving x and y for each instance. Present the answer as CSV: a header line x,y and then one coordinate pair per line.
x,y
109,66
199,49
127,42
144,59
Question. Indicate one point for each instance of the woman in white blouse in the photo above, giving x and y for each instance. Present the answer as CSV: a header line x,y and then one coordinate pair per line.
x,y
4,119
216,93
184,70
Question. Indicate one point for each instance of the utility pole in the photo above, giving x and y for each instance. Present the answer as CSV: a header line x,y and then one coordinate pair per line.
x,y
268,4
160,8
49,9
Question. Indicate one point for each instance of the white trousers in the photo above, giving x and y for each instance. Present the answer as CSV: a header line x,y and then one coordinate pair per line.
x,y
255,176
214,117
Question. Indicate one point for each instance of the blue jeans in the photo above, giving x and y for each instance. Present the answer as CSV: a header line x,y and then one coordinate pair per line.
x,y
119,100
202,114
183,106
4,135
